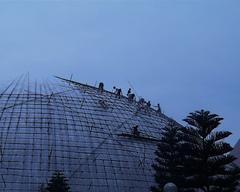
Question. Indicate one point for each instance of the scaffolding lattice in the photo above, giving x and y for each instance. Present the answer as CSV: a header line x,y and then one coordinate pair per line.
x,y
74,128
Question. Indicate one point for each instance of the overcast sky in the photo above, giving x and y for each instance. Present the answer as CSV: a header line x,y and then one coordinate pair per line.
x,y
184,55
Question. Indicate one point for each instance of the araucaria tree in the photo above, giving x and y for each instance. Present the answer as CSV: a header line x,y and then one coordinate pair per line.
x,y
168,162
208,164
58,183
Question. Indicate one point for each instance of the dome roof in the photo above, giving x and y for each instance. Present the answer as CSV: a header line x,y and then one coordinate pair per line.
x,y
99,141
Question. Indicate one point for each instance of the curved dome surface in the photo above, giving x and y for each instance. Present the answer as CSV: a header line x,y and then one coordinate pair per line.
x,y
75,128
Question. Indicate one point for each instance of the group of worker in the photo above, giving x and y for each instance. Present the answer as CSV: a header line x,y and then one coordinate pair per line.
x,y
131,97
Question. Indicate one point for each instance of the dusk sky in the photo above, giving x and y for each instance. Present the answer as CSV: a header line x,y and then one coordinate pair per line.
x,y
183,54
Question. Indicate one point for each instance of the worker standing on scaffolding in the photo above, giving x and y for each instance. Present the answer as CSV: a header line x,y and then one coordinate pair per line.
x,y
129,92
101,87
117,91
135,131
149,104
131,97
159,108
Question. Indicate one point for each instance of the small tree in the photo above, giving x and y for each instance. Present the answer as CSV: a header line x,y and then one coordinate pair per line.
x,y
168,163
58,183
207,164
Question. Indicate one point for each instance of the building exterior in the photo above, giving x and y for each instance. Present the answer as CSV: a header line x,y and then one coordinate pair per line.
x,y
99,141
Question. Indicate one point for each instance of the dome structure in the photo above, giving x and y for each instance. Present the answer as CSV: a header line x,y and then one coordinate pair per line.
x,y
99,140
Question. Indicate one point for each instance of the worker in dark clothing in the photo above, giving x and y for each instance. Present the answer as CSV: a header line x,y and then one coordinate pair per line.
x,y
149,104
118,93
141,101
101,87
135,131
129,92
131,97
141,104
115,90
159,109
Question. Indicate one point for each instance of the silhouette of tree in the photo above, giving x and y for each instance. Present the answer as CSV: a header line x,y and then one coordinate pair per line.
x,y
207,162
168,163
58,183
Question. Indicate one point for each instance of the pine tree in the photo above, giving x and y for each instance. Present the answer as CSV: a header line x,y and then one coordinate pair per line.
x,y
233,182
58,183
207,164
168,164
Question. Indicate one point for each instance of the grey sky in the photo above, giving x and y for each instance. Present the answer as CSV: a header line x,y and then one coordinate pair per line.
x,y
181,54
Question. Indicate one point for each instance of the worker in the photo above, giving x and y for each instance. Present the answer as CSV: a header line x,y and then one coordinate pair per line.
x,y
131,97
118,93
149,104
141,104
141,101
159,108
135,131
129,92
101,87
